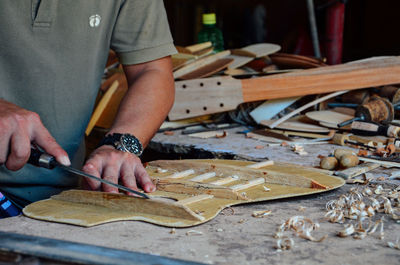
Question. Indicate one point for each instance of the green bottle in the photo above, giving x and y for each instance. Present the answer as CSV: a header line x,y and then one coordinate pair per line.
x,y
210,32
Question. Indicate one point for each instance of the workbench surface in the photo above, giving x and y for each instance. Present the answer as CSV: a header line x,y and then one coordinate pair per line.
x,y
234,236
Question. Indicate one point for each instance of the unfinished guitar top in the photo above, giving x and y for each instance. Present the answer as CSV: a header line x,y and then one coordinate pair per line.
x,y
189,192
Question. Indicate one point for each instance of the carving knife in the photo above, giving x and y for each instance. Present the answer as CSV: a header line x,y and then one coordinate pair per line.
x,y
42,159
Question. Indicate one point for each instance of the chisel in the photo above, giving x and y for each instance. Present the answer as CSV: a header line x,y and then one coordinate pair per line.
x,y
42,159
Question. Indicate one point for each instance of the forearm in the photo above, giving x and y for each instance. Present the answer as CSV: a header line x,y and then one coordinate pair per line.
x,y
148,100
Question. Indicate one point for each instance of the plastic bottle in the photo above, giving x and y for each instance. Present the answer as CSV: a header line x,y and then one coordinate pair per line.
x,y
210,32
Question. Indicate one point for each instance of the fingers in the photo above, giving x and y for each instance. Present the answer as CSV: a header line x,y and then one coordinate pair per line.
x,y
20,148
114,165
43,138
128,177
144,179
94,168
111,173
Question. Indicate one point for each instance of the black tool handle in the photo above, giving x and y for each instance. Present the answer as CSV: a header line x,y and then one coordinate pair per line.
x,y
41,159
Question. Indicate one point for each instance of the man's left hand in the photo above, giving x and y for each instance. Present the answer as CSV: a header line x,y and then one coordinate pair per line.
x,y
118,167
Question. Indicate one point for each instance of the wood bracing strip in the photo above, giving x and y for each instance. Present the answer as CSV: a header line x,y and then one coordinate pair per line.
x,y
193,188
203,177
194,199
224,181
249,184
127,203
181,174
270,175
261,164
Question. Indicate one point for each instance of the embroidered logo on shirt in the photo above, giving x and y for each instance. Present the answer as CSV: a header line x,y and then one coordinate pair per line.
x,y
94,21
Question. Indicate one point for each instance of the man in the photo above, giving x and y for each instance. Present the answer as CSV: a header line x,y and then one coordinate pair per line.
x,y
52,57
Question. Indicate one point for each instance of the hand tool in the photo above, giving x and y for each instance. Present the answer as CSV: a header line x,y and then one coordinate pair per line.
x,y
372,129
377,109
341,139
41,159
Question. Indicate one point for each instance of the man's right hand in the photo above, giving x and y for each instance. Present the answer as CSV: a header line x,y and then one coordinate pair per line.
x,y
18,129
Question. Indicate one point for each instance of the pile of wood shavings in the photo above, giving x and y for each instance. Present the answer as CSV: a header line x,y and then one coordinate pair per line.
x,y
301,226
358,208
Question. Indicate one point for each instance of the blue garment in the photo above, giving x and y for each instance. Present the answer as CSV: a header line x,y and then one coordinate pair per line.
x,y
7,209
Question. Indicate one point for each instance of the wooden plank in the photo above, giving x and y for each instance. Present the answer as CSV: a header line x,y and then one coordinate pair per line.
x,y
328,116
257,50
238,61
296,126
208,69
190,101
357,170
376,72
380,162
199,63
198,47
304,107
101,107
270,108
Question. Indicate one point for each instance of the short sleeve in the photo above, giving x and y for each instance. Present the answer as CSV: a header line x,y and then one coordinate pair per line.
x,y
141,32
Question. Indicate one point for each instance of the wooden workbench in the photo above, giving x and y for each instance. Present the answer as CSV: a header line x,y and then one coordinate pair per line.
x,y
234,236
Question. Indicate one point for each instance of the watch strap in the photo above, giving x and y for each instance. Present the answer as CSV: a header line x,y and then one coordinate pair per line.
x,y
115,141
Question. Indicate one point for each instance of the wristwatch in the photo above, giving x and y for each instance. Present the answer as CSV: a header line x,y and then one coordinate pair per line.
x,y
124,142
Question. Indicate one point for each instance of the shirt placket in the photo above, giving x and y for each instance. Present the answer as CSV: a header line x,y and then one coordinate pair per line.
x,y
43,12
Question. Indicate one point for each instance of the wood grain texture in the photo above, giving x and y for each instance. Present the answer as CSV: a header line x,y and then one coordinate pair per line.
x,y
376,72
197,64
181,202
208,70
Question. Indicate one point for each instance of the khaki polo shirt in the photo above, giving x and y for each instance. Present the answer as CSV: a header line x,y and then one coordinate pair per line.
x,y
52,57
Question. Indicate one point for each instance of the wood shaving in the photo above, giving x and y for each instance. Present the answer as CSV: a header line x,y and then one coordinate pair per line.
x,y
219,230
223,135
299,149
301,209
194,233
284,243
347,231
301,226
259,147
266,188
169,133
173,231
161,170
394,245
261,214
241,221
284,144
232,211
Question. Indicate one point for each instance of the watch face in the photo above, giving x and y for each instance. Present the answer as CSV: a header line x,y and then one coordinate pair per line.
x,y
131,144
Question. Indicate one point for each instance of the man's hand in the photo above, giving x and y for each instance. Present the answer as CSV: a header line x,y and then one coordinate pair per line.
x,y
116,166
18,129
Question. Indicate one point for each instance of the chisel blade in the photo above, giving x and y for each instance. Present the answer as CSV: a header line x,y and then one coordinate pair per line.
x,y
83,174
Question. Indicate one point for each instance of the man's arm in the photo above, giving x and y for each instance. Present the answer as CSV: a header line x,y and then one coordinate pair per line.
x,y
148,100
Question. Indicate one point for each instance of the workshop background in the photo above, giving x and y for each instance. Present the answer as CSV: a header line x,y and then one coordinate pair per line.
x,y
369,27
295,126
